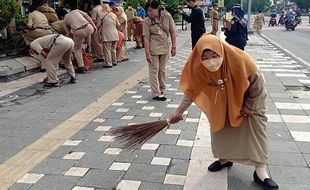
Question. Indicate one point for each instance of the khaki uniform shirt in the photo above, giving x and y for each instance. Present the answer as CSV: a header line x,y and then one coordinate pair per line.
x,y
215,15
259,19
108,25
44,42
158,32
49,12
94,13
130,13
37,19
74,20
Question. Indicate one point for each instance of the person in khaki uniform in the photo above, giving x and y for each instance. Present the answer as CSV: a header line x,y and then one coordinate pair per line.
x,y
215,20
122,53
38,26
54,48
137,30
107,23
157,28
130,12
49,12
80,27
96,45
259,21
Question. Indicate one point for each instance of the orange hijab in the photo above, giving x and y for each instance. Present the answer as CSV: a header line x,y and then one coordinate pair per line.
x,y
218,101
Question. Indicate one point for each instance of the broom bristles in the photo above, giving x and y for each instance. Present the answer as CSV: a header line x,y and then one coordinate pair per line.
x,y
134,136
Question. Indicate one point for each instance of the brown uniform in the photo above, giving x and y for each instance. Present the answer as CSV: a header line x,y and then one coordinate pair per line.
x,y
158,33
259,22
40,27
96,45
122,53
137,30
108,24
215,20
58,27
130,12
49,12
75,23
60,50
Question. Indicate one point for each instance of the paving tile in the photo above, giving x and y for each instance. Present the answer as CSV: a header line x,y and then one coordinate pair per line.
x,y
192,120
286,159
53,166
161,161
71,143
175,179
274,118
101,179
55,182
301,136
30,178
127,117
187,143
141,102
74,156
146,172
136,96
173,131
96,160
122,110
148,108
149,146
169,151
304,147
82,188
161,138
178,167
120,166
128,185
112,151
106,138
131,92
290,175
91,146
136,156
99,120
296,119
103,128
77,171
117,104
21,186
153,114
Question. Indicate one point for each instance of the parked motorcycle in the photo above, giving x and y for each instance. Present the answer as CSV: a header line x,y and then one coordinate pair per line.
x,y
281,20
290,25
273,21
298,20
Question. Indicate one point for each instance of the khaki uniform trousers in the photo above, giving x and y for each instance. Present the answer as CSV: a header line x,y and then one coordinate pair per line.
x,y
258,28
79,37
96,46
109,51
157,74
61,51
215,27
129,29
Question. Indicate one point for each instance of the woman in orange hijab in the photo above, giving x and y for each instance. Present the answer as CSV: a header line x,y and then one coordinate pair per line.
x,y
225,83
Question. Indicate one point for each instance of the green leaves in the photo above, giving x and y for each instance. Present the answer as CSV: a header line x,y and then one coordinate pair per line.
x,y
8,10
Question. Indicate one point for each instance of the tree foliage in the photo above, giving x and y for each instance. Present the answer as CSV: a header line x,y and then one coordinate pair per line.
x,y
303,4
8,10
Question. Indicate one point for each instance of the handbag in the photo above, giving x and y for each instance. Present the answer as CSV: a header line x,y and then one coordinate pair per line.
x,y
88,63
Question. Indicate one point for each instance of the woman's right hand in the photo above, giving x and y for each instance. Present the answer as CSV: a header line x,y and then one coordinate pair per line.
x,y
149,58
175,117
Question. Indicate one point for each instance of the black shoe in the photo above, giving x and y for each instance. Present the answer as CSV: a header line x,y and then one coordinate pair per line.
x,y
80,70
62,66
51,85
217,166
98,60
107,66
267,184
72,80
114,64
158,98
42,70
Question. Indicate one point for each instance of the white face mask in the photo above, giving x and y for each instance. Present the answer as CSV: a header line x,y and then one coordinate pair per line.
x,y
213,64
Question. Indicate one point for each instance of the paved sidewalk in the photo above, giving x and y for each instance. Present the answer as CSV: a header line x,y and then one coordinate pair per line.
x,y
176,158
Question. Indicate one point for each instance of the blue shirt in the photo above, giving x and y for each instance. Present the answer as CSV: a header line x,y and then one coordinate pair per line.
x,y
141,12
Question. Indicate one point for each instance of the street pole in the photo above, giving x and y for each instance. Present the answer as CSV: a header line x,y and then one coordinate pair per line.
x,y
249,15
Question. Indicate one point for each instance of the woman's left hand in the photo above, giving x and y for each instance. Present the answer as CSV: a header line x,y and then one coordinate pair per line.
x,y
246,111
173,51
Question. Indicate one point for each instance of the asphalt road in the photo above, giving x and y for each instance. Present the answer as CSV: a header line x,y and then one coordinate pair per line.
x,y
297,42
